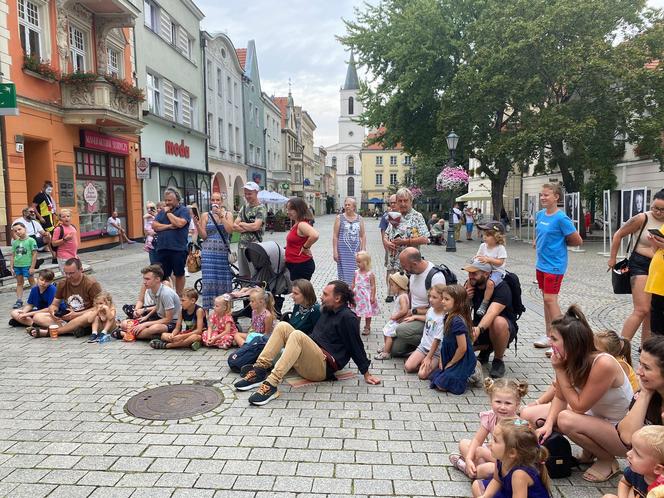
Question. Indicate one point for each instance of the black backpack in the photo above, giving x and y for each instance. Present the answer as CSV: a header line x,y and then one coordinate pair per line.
x,y
450,277
247,354
560,461
512,280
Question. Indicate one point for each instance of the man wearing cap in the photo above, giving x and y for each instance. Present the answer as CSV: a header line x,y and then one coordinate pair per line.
x,y
409,332
497,328
250,222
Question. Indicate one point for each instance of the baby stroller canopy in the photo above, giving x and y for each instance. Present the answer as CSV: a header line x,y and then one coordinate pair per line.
x,y
268,259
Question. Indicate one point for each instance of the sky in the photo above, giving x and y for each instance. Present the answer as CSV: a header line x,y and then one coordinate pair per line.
x,y
296,39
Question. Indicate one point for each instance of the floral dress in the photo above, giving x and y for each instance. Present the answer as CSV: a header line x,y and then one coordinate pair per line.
x,y
214,336
348,245
364,308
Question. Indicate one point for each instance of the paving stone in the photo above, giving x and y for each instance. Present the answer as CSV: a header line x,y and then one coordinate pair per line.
x,y
65,491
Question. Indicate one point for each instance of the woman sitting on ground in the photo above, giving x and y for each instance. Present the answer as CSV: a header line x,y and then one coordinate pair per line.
x,y
592,394
306,311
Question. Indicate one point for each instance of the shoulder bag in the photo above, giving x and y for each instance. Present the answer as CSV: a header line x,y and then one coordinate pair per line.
x,y
232,255
620,274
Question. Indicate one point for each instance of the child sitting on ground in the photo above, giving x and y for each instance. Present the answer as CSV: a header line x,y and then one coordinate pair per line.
x,y
492,251
104,317
188,330
263,316
40,298
400,308
221,326
608,341
475,459
646,463
23,260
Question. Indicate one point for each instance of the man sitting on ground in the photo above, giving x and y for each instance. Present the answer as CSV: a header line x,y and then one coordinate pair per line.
x,y
497,328
333,342
78,291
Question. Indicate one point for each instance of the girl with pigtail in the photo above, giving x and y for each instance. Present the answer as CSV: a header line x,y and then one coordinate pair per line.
x,y
475,458
520,464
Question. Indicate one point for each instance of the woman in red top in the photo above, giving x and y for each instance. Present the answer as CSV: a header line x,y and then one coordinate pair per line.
x,y
300,238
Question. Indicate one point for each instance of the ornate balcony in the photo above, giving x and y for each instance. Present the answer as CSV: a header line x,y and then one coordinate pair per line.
x,y
100,104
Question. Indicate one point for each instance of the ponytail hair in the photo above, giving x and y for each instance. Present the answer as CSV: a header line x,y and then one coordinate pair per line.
x,y
579,342
616,346
518,389
267,297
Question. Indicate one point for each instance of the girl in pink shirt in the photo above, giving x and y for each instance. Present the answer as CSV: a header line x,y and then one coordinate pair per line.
x,y
65,239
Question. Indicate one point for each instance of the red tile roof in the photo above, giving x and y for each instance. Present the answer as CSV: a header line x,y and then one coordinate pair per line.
x,y
241,55
378,145
282,104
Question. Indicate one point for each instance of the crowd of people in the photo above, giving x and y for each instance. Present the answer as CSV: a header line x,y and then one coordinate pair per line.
x,y
445,330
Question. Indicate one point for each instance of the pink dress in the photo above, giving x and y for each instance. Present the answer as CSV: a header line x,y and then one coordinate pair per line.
x,y
258,322
214,336
364,308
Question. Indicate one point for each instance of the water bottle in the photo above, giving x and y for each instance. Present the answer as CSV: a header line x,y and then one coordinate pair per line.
x,y
104,338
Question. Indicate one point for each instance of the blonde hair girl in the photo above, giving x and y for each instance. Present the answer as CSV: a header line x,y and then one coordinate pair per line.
x,y
104,316
364,287
263,315
620,348
221,326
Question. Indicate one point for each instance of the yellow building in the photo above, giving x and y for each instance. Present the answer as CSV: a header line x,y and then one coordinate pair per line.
x,y
383,171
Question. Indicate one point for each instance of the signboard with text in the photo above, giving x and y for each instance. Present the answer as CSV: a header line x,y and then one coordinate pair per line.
x,y
142,169
107,143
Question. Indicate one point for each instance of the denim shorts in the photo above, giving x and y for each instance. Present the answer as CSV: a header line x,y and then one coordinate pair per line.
x,y
639,264
22,270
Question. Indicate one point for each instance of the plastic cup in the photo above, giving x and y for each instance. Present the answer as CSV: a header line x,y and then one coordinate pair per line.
x,y
53,331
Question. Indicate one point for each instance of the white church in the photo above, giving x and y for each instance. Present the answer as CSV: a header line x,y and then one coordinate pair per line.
x,y
345,155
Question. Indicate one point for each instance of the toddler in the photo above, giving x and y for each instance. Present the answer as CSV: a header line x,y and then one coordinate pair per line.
x,y
608,341
221,326
364,287
400,308
520,468
23,260
148,218
104,317
492,251
646,463
188,330
263,316
505,395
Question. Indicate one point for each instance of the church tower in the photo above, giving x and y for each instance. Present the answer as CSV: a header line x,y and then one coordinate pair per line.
x,y
351,108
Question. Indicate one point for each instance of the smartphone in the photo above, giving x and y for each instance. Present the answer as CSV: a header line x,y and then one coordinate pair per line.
x,y
656,232
194,211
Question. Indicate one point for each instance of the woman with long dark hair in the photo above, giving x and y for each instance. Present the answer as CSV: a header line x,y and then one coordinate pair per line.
x,y
300,238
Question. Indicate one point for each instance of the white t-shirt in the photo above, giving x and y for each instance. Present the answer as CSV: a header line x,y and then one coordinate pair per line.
x,y
498,252
418,290
456,215
32,227
469,217
113,221
434,327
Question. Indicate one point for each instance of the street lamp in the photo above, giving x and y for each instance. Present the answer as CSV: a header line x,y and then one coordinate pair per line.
x,y
452,141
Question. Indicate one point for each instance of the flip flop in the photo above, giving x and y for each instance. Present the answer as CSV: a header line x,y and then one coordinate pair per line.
x,y
591,475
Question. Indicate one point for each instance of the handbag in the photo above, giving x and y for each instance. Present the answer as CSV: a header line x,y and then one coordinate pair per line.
x,y
620,274
194,259
232,255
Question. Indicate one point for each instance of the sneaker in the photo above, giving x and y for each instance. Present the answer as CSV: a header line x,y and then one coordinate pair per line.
x,y
475,380
497,368
482,309
157,344
18,304
266,392
548,352
542,342
483,356
14,323
93,338
252,379
196,345
389,299
245,369
186,272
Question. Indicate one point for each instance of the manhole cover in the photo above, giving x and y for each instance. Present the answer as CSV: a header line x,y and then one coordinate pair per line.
x,y
174,402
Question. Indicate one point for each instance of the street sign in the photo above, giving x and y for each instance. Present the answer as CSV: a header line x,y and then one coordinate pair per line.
x,y
142,169
8,106
285,186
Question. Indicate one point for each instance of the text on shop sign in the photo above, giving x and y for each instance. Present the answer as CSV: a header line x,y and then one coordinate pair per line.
x,y
175,149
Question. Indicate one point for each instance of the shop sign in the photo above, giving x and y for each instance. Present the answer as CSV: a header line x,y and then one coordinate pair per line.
x,y
66,193
175,149
142,169
8,106
90,194
99,141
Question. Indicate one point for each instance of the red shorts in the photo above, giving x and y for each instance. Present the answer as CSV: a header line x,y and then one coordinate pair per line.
x,y
549,283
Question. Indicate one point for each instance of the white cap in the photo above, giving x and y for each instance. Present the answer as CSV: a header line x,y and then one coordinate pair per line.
x,y
251,186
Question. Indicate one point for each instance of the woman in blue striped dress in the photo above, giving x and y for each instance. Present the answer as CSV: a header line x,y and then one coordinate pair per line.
x,y
348,238
217,276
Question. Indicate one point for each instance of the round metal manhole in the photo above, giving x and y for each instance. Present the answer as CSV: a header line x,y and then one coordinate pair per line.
x,y
174,402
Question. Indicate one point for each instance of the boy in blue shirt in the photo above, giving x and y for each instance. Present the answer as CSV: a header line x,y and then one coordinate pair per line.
x,y
23,260
40,298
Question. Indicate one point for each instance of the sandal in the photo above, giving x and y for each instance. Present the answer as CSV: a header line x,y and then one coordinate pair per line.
x,y
35,332
458,462
366,331
591,475
382,355
157,344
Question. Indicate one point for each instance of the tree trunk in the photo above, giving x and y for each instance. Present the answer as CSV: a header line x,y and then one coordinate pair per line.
x,y
498,181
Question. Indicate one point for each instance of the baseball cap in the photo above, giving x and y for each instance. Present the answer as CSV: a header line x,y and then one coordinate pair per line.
x,y
251,186
477,266
400,279
492,225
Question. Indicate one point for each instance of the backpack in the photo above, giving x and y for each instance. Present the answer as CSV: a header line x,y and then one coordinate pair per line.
x,y
247,354
560,461
450,277
512,280
62,235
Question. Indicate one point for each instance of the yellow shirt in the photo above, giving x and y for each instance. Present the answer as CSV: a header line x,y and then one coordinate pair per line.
x,y
655,282
629,371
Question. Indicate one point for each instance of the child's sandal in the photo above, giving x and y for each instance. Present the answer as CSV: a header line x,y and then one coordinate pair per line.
x,y
157,344
366,331
458,462
382,356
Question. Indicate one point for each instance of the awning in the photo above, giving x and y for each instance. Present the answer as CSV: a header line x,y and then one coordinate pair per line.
x,y
375,200
479,194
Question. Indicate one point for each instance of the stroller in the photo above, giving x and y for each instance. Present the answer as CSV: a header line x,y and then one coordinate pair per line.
x,y
270,272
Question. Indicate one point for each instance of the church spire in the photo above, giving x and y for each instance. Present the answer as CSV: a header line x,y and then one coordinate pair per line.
x,y
352,82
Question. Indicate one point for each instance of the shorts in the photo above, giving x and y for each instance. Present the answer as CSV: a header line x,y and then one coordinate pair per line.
x,y
425,351
39,240
657,314
172,262
170,327
112,232
549,283
639,264
485,340
496,277
22,270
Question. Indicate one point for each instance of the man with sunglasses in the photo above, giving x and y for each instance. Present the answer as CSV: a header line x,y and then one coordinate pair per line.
x,y
32,227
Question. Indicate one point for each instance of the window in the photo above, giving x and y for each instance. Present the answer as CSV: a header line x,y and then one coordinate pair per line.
x,y
174,34
235,99
209,127
251,154
77,44
350,187
393,179
251,112
351,165
150,15
238,149
408,160
334,161
379,160
379,178
351,103
113,67
30,28
154,94
231,143
220,131
177,115
259,159
208,74
228,88
220,90
393,160
257,117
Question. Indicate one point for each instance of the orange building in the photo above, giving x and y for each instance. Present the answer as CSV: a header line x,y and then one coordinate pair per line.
x,y
79,113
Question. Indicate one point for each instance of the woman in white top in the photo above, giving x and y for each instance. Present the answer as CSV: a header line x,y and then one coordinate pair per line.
x,y
592,394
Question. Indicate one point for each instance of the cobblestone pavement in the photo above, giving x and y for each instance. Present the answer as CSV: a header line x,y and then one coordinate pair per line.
x,y
63,431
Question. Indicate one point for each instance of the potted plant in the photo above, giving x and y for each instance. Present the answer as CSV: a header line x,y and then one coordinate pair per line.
x,y
126,88
80,78
41,68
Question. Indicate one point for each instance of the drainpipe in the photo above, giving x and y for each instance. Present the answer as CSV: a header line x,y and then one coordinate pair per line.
x,y
5,174
205,113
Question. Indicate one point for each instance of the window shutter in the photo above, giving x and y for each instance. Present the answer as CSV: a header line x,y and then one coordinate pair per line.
x,y
183,41
167,106
165,26
186,109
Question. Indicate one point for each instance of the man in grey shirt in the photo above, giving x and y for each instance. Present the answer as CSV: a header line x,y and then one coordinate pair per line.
x,y
167,305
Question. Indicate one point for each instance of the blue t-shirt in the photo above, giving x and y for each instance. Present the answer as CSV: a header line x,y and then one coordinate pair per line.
x,y
174,239
551,246
38,300
383,223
